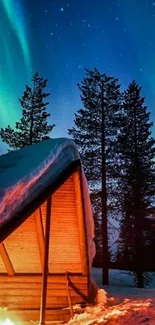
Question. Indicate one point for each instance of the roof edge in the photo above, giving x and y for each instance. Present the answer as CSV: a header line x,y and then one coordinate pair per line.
x,y
18,219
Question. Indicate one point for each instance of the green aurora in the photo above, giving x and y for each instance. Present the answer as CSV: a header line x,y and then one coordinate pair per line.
x,y
15,62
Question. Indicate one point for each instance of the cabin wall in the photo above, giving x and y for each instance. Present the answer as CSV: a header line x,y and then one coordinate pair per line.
x,y
23,244
64,239
22,248
22,294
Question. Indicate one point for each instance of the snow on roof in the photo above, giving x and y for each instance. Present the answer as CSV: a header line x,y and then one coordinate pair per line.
x,y
26,172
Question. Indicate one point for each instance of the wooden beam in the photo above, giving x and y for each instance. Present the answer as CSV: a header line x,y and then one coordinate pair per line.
x,y
69,297
40,233
45,266
6,259
81,222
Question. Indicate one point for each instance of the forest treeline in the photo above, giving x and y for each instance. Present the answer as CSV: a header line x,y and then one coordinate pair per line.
x,y
113,133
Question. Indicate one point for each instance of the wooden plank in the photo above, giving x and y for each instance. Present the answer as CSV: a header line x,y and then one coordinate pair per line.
x,y
27,302
63,267
33,305
40,233
6,259
81,224
37,292
55,278
37,286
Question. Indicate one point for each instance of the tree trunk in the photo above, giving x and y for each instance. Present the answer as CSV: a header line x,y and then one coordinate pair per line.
x,y
105,257
137,212
140,279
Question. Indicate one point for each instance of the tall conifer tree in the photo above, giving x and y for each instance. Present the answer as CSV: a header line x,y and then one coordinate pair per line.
x,y
33,126
137,152
95,134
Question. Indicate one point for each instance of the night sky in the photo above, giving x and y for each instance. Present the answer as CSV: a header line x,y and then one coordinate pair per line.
x,y
58,38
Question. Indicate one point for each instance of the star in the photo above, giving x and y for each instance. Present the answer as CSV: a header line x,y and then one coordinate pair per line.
x,y
62,9
51,34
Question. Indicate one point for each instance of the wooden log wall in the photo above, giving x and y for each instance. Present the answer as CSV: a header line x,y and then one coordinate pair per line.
x,y
68,253
22,293
25,245
64,254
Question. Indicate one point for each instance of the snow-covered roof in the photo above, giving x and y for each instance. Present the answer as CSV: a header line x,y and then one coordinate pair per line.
x,y
25,173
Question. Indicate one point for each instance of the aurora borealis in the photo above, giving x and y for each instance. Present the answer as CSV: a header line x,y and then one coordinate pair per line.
x,y
14,60
58,38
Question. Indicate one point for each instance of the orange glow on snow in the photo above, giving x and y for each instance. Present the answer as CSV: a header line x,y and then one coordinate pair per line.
x,y
129,312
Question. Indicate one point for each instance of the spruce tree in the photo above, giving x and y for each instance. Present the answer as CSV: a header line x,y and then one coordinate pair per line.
x,y
33,126
95,134
137,151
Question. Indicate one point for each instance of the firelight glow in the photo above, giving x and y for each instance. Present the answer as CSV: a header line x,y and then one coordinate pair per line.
x,y
6,321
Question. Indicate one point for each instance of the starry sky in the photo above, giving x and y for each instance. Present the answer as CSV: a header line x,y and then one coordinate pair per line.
x,y
59,38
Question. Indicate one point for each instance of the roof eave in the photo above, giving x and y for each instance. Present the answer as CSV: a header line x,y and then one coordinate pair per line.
x,y
17,220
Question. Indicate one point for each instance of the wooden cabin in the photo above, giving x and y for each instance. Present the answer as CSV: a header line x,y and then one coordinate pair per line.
x,y
46,233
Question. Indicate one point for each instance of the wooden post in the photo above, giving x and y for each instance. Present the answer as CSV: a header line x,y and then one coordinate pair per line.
x,y
40,234
45,266
6,259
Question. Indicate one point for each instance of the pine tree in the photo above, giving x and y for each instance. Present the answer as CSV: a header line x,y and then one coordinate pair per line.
x,y
137,153
95,134
33,126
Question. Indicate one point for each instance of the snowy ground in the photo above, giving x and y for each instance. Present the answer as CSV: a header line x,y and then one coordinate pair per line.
x,y
125,305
